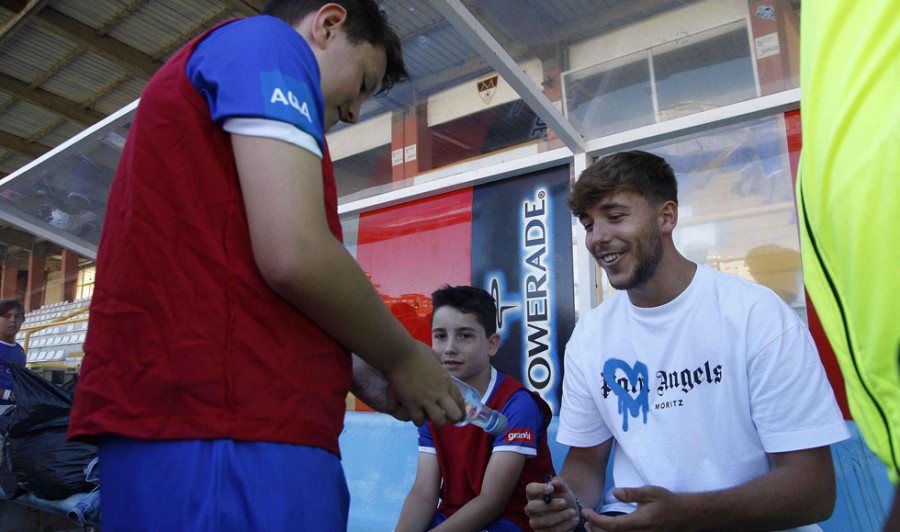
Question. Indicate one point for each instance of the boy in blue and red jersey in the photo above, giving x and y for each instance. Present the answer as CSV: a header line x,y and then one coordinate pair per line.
x,y
479,478
12,314
225,309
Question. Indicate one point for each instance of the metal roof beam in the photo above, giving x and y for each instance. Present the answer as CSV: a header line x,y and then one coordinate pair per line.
x,y
258,4
24,12
28,149
487,47
242,7
50,101
17,258
84,36
14,238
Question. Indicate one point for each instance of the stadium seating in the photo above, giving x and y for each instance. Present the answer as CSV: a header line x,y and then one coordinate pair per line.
x,y
55,335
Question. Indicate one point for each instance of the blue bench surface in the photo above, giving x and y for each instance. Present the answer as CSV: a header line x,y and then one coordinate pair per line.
x,y
380,455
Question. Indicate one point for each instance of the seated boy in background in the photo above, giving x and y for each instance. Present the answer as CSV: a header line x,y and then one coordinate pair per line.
x,y
12,314
480,479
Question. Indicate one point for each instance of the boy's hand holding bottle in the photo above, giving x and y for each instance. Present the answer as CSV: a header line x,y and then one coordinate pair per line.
x,y
424,390
476,413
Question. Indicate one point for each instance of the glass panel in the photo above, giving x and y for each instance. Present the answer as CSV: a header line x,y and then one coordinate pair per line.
x,y
686,76
711,70
64,198
430,141
705,54
736,204
607,99
509,124
370,168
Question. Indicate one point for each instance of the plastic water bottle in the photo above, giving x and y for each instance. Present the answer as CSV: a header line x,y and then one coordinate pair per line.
x,y
493,422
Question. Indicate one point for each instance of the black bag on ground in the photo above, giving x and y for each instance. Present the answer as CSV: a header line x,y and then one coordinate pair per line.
x,y
8,481
42,461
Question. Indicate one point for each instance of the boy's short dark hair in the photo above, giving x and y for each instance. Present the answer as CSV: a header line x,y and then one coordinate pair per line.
x,y
468,300
628,171
365,22
10,304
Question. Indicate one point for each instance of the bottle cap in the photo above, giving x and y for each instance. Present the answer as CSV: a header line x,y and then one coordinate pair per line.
x,y
500,427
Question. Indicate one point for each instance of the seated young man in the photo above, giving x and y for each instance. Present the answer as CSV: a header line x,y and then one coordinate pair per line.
x,y
480,479
709,384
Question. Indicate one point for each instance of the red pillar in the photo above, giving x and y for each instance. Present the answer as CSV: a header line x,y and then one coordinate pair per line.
x,y
775,26
398,122
411,143
417,153
69,275
34,293
8,282
21,285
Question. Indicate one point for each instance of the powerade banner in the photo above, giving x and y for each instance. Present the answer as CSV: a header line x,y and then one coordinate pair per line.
x,y
522,255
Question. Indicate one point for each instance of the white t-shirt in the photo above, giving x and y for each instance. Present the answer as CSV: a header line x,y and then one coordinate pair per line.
x,y
696,391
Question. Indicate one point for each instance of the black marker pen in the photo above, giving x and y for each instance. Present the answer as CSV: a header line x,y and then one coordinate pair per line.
x,y
548,497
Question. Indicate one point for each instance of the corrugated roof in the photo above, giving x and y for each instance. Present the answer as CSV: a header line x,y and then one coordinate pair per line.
x,y
83,77
34,51
127,92
24,119
159,26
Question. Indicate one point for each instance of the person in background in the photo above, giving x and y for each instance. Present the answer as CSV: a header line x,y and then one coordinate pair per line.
x,y
848,187
12,314
478,478
217,360
710,385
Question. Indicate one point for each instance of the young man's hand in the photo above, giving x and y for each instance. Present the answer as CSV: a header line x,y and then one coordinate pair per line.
x,y
657,509
560,515
423,390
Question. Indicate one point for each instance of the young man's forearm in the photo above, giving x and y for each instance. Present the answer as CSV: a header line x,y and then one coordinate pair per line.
x,y
799,491
584,471
786,497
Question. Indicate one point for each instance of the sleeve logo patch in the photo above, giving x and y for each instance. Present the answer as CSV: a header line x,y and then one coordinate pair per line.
x,y
291,99
519,436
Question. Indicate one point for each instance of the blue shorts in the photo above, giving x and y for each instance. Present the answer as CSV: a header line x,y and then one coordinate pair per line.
x,y
220,486
500,525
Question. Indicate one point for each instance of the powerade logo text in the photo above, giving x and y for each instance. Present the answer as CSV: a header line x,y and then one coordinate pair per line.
x,y
539,365
534,301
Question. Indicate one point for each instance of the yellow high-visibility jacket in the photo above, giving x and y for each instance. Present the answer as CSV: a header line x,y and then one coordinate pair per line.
x,y
848,195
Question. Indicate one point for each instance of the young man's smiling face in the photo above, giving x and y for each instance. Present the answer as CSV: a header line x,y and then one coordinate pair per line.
x,y
624,237
463,347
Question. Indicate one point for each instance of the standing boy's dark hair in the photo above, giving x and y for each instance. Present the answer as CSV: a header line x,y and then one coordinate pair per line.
x,y
468,300
10,304
628,171
365,22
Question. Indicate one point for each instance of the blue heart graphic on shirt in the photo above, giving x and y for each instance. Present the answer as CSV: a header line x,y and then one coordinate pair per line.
x,y
637,381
